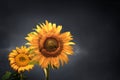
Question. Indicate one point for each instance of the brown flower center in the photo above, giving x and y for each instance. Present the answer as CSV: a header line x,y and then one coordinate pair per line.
x,y
52,47
22,59
51,44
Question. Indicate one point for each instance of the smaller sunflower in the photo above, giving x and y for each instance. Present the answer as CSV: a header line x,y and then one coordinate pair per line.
x,y
19,59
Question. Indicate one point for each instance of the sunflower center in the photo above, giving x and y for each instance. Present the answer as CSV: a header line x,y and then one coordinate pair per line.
x,y
51,44
22,60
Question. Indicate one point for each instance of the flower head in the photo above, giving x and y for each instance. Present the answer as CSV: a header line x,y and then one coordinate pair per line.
x,y
19,59
51,46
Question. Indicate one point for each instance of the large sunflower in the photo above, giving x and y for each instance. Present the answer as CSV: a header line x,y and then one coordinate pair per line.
x,y
19,59
51,46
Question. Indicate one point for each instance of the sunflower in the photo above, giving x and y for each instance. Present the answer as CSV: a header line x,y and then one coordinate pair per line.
x,y
51,46
19,59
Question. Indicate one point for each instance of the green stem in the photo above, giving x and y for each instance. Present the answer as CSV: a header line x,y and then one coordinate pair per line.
x,y
21,76
47,73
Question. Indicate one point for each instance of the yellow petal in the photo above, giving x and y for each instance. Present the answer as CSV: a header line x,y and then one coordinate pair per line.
x,y
12,61
68,49
69,43
15,67
56,63
41,60
58,29
19,70
45,63
50,26
64,57
12,54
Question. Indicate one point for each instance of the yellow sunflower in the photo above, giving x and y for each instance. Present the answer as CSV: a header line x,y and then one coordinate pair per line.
x,y
51,46
19,59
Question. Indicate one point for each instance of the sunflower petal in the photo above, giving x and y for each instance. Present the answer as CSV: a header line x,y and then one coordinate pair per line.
x,y
58,29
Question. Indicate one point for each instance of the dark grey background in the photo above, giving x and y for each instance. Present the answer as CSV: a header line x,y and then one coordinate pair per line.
x,y
94,25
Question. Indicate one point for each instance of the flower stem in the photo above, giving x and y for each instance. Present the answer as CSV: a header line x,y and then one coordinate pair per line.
x,y
21,76
47,73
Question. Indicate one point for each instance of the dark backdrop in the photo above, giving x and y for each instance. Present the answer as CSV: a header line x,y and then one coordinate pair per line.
x,y
94,25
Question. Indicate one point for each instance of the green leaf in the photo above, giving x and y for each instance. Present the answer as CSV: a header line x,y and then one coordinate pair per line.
x,y
6,75
13,76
